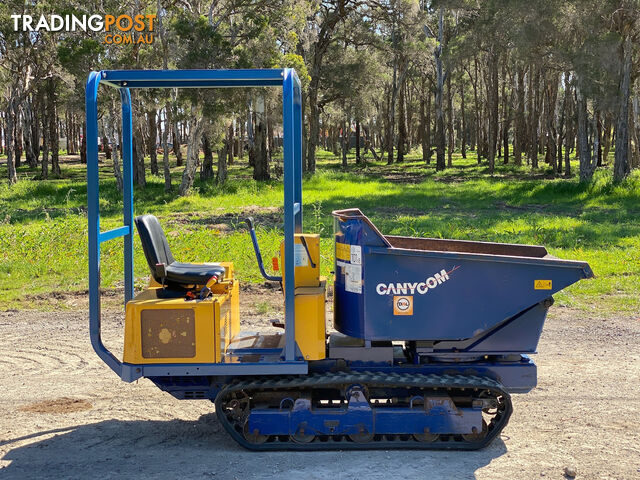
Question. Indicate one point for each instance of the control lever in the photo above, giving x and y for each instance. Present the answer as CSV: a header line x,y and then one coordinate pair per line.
x,y
306,247
256,247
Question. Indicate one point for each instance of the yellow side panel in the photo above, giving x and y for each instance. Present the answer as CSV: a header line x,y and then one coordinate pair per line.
x,y
235,309
311,321
306,274
172,330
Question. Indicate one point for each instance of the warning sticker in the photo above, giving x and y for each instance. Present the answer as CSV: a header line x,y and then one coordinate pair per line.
x,y
343,251
542,284
300,258
356,254
403,305
353,278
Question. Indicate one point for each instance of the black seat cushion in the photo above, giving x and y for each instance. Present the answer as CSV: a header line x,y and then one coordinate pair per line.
x,y
157,251
193,273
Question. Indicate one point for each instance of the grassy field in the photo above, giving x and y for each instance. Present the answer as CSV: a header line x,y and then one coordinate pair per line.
x,y
43,227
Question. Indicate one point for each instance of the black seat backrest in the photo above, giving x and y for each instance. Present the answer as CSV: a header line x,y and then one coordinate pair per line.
x,y
154,243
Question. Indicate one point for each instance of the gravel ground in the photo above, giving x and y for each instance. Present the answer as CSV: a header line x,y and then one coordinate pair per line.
x,y
65,415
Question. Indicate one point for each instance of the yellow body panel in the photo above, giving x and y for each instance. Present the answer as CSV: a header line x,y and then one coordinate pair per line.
x,y
311,320
176,330
306,275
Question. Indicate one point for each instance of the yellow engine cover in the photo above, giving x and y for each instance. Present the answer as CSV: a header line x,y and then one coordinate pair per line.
x,y
176,330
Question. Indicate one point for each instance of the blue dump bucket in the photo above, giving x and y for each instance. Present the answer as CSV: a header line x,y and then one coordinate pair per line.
x,y
426,289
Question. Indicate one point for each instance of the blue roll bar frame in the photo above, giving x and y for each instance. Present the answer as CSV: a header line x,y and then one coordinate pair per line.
x,y
124,80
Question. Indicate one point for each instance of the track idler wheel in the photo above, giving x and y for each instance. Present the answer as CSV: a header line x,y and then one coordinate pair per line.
x,y
301,436
477,436
362,437
253,437
426,436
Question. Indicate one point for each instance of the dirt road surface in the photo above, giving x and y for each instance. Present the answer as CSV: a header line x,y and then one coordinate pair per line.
x,y
66,415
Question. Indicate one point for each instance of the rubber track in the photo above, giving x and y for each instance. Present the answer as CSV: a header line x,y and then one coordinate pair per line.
x,y
375,379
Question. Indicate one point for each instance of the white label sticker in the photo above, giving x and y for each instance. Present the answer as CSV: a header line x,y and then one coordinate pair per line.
x,y
353,278
356,254
300,258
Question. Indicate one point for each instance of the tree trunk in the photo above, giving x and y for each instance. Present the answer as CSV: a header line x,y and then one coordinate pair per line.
x,y
105,147
260,146
176,143
30,127
561,127
45,143
345,142
358,160
606,137
587,167
83,144
221,174
506,115
17,139
534,80
463,114
569,136
206,169
241,139
492,95
391,112
314,126
425,128
193,150
476,103
568,140
54,135
165,153
598,132
552,98
153,138
139,174
231,141
11,119
402,123
115,138
450,129
334,134
635,163
440,135
621,165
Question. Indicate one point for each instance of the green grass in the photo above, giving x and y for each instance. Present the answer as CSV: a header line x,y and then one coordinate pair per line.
x,y
43,226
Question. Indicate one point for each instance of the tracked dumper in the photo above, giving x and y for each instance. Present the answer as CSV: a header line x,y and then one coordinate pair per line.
x,y
431,336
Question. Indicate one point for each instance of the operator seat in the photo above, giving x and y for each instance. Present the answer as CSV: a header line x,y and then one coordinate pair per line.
x,y
164,268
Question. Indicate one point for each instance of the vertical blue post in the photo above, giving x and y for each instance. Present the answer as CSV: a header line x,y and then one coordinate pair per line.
x,y
91,100
288,120
91,107
297,154
127,178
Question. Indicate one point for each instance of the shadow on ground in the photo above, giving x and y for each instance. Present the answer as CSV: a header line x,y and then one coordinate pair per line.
x,y
201,449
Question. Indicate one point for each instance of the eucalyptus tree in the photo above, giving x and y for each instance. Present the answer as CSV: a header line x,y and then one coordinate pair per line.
x,y
320,33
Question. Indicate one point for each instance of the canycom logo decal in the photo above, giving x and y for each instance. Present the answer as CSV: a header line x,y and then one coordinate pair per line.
x,y
118,29
409,288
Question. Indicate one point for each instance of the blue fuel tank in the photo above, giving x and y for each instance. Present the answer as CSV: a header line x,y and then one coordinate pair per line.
x,y
426,289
